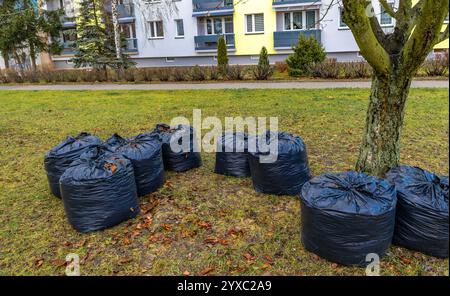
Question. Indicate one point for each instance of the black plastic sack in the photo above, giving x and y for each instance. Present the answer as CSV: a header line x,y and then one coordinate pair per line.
x,y
288,173
346,216
58,159
179,161
422,210
99,190
144,152
231,155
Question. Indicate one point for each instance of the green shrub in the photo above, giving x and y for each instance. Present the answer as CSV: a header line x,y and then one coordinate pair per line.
x,y
263,70
198,73
236,72
307,53
163,74
438,66
222,55
329,69
281,67
180,73
214,73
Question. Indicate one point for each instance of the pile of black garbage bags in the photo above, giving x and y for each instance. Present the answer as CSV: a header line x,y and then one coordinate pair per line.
x,y
100,181
346,217
350,217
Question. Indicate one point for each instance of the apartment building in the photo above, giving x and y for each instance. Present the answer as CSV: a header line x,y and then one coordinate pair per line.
x,y
186,32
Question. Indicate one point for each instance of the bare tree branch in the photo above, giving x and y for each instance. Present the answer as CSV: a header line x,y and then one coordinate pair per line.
x,y
357,19
388,8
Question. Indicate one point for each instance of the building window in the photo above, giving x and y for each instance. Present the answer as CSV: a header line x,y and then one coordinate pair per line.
x,y
446,19
156,29
219,25
170,60
310,19
342,24
293,21
254,23
180,28
385,18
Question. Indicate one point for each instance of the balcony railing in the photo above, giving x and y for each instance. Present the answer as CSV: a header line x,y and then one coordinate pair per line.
x,y
209,42
212,7
287,39
126,10
293,2
131,45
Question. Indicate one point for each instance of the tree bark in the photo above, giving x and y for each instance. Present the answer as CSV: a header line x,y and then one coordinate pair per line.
x,y
380,149
6,59
33,58
115,20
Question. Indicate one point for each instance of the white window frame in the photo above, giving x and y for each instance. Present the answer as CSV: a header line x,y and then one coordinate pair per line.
x,y
213,32
177,36
153,23
304,20
392,19
170,60
291,18
341,21
253,24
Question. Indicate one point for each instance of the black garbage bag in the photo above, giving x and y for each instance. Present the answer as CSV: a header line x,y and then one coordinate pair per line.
x,y
231,155
288,173
422,210
99,190
144,152
58,159
178,161
346,216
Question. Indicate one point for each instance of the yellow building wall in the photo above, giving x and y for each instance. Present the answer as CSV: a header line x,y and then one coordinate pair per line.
x,y
251,44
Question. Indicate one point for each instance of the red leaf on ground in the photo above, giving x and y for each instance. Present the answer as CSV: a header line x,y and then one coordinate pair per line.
x,y
58,262
224,242
204,224
167,227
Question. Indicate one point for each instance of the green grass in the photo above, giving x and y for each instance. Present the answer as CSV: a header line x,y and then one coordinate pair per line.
x,y
35,236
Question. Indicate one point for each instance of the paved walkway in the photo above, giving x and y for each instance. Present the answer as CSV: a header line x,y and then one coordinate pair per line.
x,y
219,85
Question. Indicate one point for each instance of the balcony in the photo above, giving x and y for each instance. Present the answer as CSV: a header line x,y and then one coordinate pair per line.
x,y
131,45
126,12
289,3
67,48
212,7
287,39
209,42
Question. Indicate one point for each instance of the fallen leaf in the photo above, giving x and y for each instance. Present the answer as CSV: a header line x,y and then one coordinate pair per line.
x,y
39,262
268,259
211,240
204,224
58,262
67,244
206,270
126,241
334,265
224,242
125,260
186,273
167,227
249,257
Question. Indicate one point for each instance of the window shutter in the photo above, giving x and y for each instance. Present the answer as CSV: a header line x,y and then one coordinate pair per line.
x,y
259,22
249,23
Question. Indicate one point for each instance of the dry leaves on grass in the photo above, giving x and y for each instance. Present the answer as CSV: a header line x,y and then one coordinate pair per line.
x,y
206,270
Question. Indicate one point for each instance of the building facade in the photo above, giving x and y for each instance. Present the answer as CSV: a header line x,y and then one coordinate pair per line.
x,y
185,32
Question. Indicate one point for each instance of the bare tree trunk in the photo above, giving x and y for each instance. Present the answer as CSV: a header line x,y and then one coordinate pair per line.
x,y
45,57
33,57
6,59
116,29
115,20
380,149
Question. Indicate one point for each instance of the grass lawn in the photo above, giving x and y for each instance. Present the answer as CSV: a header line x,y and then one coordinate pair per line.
x,y
199,222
